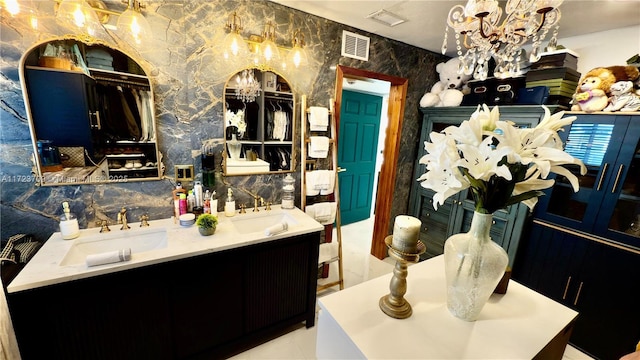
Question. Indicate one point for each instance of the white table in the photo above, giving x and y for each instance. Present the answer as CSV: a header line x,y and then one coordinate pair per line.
x,y
520,324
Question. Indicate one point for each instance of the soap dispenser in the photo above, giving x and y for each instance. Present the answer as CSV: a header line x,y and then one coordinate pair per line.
x,y
68,223
230,204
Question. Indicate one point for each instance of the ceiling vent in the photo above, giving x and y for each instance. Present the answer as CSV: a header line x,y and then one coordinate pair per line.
x,y
387,18
355,46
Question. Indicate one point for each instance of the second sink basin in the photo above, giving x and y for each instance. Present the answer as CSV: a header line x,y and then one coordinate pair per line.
x,y
138,241
249,223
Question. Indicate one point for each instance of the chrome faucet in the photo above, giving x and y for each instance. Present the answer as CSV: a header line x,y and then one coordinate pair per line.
x,y
122,219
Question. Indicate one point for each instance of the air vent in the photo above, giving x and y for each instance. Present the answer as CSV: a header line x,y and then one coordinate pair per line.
x,y
355,46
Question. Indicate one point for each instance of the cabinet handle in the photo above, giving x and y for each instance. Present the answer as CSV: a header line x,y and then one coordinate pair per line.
x,y
566,288
604,171
615,184
575,302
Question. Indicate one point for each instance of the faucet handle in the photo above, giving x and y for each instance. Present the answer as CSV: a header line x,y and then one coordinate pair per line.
x,y
242,209
104,225
144,220
268,206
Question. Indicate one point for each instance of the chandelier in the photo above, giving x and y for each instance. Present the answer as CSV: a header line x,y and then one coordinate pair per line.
x,y
247,87
480,28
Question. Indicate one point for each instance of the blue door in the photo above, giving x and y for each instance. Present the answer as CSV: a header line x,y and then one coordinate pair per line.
x,y
357,149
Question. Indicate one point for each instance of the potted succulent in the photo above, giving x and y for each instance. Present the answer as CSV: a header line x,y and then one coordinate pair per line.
x,y
207,224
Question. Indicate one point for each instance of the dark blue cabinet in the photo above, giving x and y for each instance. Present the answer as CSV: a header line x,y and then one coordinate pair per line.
x,y
583,249
63,107
590,275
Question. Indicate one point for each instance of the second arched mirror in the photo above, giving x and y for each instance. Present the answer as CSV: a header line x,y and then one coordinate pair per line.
x,y
259,117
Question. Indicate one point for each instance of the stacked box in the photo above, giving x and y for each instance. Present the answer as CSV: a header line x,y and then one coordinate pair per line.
x,y
558,71
558,58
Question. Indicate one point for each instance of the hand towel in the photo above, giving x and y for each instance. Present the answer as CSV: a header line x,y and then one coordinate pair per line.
x,y
318,147
318,118
276,229
320,182
328,252
109,257
324,212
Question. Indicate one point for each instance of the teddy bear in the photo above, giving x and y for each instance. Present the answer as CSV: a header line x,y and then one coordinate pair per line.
x,y
449,90
592,92
623,98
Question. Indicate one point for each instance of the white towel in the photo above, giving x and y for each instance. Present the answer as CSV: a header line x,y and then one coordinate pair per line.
x,y
276,229
318,147
318,118
320,182
328,252
324,212
109,257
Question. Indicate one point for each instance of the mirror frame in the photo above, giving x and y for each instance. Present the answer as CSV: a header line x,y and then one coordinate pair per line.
x,y
37,162
288,96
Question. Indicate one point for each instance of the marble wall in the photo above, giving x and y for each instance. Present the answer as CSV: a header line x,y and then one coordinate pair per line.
x,y
188,73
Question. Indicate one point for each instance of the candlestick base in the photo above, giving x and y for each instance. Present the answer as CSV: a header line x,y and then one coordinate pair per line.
x,y
394,304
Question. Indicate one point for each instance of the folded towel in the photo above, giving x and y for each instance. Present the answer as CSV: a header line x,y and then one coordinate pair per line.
x,y
109,257
276,229
320,182
324,212
318,147
318,118
328,252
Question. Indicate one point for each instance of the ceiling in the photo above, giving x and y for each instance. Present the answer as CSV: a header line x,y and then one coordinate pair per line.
x,y
426,18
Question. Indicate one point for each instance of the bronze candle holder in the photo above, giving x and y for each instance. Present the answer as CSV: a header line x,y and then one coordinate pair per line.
x,y
394,303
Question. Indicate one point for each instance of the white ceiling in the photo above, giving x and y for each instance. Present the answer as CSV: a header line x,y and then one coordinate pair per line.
x,y
426,18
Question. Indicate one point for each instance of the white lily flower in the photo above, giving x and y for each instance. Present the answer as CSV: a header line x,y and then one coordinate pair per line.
x,y
482,153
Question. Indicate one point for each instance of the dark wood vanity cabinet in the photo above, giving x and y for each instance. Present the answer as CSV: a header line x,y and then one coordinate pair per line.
x,y
203,307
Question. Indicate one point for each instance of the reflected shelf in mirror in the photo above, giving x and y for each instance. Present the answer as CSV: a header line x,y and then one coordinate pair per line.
x,y
93,105
264,127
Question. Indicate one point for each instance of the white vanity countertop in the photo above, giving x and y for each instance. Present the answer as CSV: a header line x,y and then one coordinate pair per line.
x,y
182,242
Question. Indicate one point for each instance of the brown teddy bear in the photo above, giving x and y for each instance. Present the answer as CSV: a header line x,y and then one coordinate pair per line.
x,y
594,89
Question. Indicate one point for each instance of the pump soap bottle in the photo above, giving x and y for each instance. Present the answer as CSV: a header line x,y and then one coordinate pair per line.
x,y
68,223
230,204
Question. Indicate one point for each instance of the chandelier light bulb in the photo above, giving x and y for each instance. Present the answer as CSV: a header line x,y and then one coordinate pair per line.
x,y
78,14
12,6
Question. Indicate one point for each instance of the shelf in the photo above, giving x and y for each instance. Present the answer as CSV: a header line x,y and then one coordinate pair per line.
x,y
629,197
122,156
144,168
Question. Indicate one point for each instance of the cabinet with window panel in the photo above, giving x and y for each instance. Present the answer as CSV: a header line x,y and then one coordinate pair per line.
x,y
608,202
583,248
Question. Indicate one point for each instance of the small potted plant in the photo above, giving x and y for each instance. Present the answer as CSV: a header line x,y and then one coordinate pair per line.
x,y
207,224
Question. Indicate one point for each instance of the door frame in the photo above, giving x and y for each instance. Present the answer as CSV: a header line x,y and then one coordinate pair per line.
x,y
391,152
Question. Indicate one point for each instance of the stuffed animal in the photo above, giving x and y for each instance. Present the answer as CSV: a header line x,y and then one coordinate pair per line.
x,y
448,91
623,97
592,93
601,78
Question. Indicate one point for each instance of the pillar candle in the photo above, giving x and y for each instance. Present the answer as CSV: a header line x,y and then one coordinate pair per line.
x,y
405,234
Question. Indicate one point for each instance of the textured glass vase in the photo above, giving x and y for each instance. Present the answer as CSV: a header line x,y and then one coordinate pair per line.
x,y
474,265
234,147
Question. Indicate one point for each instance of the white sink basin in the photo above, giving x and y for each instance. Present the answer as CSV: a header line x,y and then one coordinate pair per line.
x,y
139,241
249,223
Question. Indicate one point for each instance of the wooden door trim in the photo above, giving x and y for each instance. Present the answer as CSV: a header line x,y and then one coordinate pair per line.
x,y
391,153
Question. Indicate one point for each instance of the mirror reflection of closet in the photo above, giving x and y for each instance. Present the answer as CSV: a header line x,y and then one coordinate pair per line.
x,y
91,114
259,131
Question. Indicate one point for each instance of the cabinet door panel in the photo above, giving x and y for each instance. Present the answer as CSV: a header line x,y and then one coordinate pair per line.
x,y
621,204
276,288
436,225
595,140
202,299
607,325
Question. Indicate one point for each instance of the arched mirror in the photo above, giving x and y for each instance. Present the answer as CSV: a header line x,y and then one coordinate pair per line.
x,y
259,114
91,114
